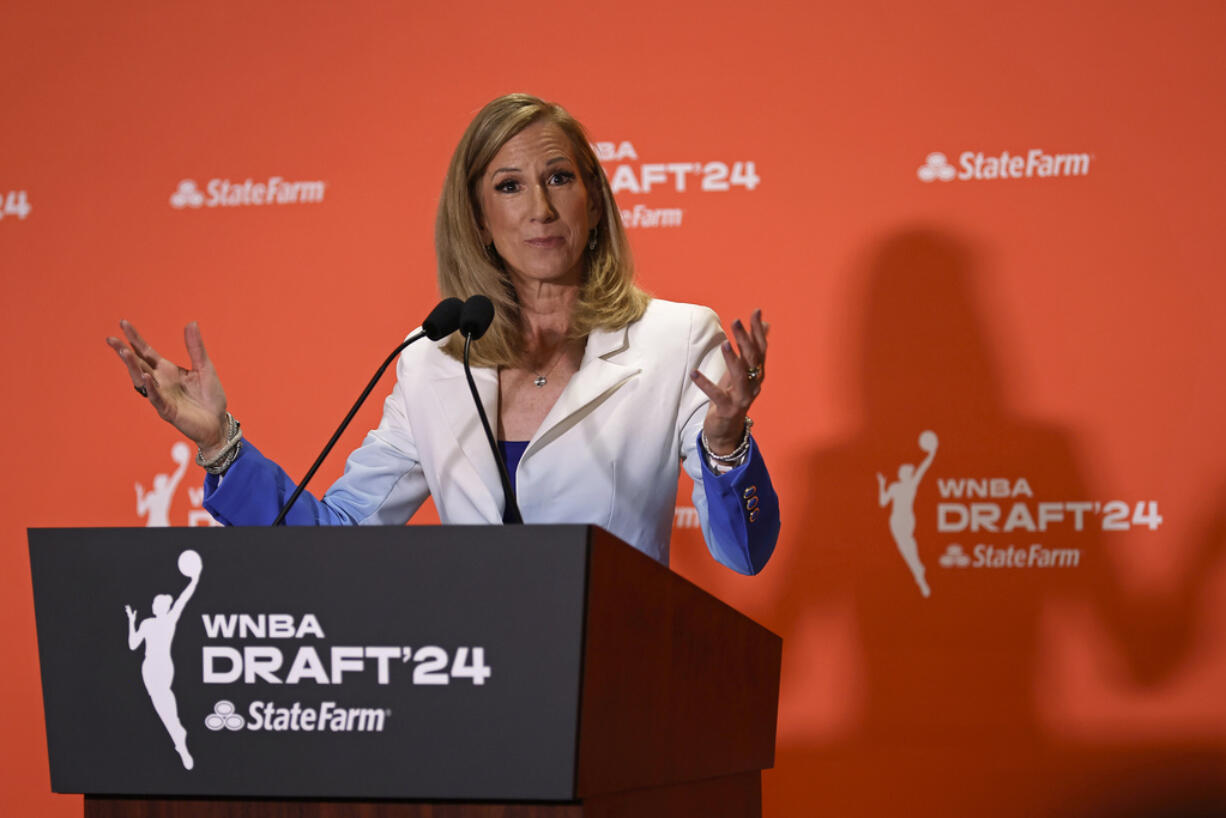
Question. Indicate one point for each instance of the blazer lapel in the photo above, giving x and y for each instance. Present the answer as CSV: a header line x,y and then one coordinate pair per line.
x,y
596,378
451,388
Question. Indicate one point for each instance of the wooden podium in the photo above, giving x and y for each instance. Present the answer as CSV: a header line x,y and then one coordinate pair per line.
x,y
614,686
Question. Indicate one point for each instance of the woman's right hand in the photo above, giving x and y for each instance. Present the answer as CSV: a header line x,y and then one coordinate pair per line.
x,y
190,400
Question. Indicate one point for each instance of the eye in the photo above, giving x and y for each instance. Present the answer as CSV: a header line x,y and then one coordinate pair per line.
x,y
562,177
507,185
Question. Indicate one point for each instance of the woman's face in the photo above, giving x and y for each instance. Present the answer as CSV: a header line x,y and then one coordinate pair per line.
x,y
536,209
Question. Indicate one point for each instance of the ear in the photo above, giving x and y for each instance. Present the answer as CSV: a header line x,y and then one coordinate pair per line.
x,y
595,209
482,231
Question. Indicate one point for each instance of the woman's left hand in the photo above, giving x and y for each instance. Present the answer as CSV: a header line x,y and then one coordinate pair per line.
x,y
737,389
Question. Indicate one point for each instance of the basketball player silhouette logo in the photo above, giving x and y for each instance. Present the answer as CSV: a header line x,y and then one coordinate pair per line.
x,y
154,504
157,633
900,496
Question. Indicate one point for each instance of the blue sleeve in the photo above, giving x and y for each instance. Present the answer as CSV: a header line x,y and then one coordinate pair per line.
x,y
742,513
255,488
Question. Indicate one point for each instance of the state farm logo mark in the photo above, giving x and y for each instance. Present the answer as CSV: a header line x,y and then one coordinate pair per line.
x,y
249,193
186,195
328,717
224,717
954,557
1012,556
936,166
1034,163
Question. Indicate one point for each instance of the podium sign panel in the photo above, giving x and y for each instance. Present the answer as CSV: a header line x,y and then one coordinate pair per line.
x,y
424,662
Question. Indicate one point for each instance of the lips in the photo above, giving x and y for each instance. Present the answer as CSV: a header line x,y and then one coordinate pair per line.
x,y
546,242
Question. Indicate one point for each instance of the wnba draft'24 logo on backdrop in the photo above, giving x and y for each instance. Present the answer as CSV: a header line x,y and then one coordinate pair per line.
x,y
1034,163
635,178
249,193
154,502
1000,515
14,203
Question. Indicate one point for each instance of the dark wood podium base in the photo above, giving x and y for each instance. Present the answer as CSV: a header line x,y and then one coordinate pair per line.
x,y
734,796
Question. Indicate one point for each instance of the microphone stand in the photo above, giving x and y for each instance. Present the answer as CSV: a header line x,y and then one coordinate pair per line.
x,y
340,429
511,513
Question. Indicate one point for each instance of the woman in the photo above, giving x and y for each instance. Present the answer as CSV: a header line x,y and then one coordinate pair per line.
x,y
599,391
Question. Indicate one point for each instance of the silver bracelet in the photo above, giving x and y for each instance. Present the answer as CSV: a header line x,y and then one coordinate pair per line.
x,y
228,453
734,458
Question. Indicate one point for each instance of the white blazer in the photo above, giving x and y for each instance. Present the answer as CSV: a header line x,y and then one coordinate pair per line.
x,y
608,453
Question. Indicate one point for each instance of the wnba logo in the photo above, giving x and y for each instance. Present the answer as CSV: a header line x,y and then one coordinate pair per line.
x,y
900,497
157,633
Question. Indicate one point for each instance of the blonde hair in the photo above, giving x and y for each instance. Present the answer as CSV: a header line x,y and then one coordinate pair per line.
x,y
608,298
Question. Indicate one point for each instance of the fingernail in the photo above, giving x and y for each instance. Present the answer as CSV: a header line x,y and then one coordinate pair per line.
x,y
694,375
737,323
727,346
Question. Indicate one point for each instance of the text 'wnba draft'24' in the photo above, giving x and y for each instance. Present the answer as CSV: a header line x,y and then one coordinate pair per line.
x,y
1000,522
279,651
630,177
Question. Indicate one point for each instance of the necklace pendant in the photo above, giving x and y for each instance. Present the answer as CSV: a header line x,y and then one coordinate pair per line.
x,y
540,380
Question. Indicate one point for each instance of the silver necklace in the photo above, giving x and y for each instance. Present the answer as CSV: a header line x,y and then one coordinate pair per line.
x,y
541,380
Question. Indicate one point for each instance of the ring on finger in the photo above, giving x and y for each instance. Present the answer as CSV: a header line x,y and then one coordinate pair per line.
x,y
141,390
754,373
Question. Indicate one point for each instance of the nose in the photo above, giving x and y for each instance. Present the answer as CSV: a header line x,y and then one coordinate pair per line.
x,y
542,205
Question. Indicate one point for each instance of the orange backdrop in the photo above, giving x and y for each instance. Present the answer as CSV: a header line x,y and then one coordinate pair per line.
x,y
1053,316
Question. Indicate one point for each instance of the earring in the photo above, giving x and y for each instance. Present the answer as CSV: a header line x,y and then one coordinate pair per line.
x,y
591,240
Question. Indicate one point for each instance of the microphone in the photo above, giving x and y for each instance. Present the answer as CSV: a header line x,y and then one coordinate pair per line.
x,y
475,319
443,320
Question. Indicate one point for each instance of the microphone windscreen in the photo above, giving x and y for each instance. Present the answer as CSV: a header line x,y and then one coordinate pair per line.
x,y
476,317
443,319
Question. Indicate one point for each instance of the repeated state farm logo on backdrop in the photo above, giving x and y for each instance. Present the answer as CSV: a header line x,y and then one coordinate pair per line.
x,y
978,166
630,177
997,523
249,193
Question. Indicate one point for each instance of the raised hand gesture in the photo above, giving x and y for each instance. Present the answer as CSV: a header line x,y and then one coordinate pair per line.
x,y
191,400
738,388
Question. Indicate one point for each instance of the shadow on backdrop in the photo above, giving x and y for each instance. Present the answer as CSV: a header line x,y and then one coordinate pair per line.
x,y
949,721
